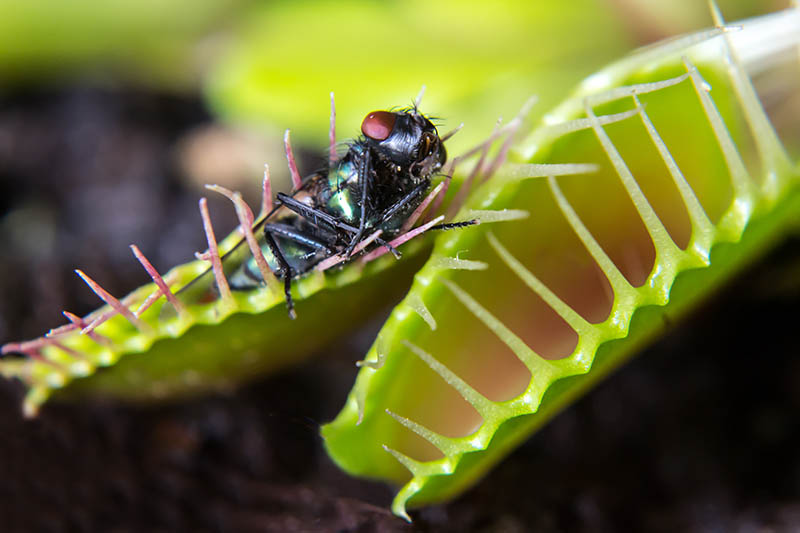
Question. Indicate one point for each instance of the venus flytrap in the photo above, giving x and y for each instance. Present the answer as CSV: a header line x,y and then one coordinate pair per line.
x,y
629,203
680,199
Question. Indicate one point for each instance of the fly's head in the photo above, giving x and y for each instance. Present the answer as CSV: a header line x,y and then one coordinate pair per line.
x,y
406,139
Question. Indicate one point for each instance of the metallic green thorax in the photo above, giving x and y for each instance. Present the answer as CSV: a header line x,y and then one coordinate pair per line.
x,y
338,199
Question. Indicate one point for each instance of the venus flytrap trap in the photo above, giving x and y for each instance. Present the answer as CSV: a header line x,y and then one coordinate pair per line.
x,y
645,190
189,331
505,325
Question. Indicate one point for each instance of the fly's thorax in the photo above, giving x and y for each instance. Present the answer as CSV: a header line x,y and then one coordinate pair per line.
x,y
337,192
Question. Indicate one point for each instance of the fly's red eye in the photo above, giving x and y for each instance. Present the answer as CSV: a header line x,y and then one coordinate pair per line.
x,y
378,125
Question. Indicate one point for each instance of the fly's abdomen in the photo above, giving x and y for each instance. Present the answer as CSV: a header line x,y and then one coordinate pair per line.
x,y
247,276
300,256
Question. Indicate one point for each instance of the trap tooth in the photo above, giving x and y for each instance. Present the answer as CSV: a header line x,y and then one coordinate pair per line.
x,y
118,306
702,228
160,283
485,407
570,316
621,287
446,445
535,363
212,255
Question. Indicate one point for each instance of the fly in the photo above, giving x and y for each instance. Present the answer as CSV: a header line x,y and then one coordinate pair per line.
x,y
368,194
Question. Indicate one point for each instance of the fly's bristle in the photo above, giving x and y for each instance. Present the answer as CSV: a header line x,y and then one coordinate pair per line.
x,y
418,99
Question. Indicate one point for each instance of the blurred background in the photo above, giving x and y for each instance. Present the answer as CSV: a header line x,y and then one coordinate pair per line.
x,y
113,114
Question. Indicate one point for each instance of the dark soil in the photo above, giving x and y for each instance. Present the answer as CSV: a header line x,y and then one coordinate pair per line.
x,y
699,433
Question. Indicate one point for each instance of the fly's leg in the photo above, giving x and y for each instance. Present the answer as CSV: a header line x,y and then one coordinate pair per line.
x,y
407,236
453,225
364,171
397,206
389,247
315,215
285,272
290,233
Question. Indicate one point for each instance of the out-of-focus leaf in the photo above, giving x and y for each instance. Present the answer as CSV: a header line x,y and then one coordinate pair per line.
x,y
478,60
150,42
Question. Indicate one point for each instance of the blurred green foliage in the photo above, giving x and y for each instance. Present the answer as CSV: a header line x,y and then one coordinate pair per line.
x,y
478,60
147,42
274,63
